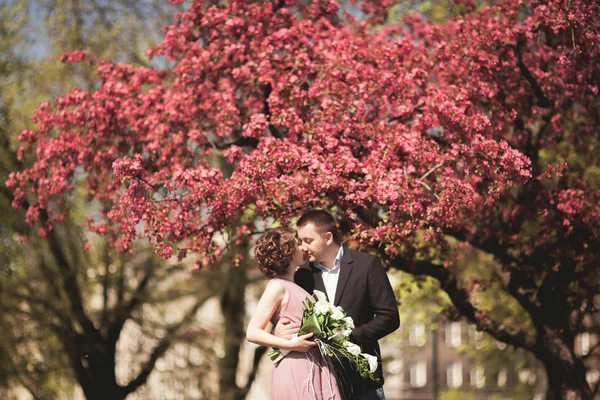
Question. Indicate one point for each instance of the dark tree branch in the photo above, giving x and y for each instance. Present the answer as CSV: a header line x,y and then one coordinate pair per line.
x,y
406,117
500,251
51,279
266,109
258,354
529,293
595,389
69,281
140,290
553,293
519,284
35,315
164,345
461,300
241,142
105,285
123,313
23,376
120,283
279,4
33,300
537,90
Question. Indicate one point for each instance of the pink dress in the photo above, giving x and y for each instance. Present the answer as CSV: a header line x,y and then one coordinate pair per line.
x,y
300,376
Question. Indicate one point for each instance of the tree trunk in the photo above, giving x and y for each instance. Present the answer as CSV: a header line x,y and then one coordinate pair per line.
x,y
94,365
233,306
100,385
566,380
102,392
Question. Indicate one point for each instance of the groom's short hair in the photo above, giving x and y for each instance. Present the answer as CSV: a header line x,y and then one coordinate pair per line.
x,y
322,220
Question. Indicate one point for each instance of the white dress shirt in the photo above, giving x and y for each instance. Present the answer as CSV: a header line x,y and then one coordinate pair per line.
x,y
331,276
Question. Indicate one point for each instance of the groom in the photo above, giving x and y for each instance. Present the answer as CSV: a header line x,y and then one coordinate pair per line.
x,y
353,280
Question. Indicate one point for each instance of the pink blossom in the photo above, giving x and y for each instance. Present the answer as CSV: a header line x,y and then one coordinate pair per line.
x,y
428,127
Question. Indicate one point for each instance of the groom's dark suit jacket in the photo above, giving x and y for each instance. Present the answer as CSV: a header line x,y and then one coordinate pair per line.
x,y
365,293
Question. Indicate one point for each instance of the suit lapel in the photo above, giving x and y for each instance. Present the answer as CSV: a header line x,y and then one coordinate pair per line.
x,y
318,279
345,271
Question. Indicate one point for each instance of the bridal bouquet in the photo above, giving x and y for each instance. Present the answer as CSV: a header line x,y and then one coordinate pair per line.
x,y
331,330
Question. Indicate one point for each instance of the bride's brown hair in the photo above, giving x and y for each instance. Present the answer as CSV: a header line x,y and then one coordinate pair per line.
x,y
275,250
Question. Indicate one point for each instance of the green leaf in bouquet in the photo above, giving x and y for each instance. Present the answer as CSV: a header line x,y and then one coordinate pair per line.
x,y
276,355
308,306
310,323
321,318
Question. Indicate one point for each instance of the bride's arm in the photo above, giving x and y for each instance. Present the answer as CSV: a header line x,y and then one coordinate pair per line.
x,y
267,305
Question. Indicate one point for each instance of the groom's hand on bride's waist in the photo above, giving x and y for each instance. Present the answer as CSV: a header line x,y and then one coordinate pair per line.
x,y
285,328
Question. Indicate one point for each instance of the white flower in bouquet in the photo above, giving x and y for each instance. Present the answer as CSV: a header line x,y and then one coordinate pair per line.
x,y
372,362
320,295
347,331
349,322
338,314
352,348
323,307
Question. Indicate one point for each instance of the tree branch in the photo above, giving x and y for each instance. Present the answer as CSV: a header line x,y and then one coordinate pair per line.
x,y
537,90
460,299
266,109
406,117
105,285
520,285
120,283
69,280
279,4
123,313
258,354
40,317
32,300
50,279
23,376
595,390
164,345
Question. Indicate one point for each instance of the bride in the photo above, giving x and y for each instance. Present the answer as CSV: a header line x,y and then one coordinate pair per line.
x,y
302,374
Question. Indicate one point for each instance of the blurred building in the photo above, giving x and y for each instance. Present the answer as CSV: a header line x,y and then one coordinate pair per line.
x,y
431,366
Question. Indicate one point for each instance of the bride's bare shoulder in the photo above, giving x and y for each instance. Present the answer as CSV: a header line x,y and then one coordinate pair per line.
x,y
275,286
277,290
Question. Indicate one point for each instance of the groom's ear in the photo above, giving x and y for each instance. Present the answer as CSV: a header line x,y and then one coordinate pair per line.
x,y
329,238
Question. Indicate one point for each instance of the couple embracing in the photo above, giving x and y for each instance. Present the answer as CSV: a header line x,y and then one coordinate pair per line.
x,y
316,260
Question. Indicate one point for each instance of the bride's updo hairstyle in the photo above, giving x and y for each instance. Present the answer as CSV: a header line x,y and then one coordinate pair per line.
x,y
275,250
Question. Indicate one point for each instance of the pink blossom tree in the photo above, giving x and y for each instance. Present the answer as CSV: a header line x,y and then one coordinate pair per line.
x,y
457,134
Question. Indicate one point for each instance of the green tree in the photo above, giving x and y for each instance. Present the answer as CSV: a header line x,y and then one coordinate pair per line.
x,y
54,279
52,333
29,356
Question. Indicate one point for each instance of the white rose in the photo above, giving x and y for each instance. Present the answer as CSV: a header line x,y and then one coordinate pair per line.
x,y
372,362
320,295
346,332
349,322
337,314
352,348
322,307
